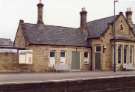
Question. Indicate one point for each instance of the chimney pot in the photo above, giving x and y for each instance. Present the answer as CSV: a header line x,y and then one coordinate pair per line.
x,y
121,13
83,9
129,9
129,16
21,21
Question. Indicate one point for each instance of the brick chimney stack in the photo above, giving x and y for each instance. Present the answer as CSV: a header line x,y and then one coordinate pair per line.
x,y
129,16
83,19
40,13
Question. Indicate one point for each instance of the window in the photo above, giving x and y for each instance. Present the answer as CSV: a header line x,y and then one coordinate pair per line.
x,y
131,54
22,58
98,48
52,58
52,53
62,57
86,54
86,58
62,53
25,56
119,54
125,54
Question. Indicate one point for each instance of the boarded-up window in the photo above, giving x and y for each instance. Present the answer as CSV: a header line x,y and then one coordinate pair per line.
x,y
25,56
86,58
22,58
62,57
52,58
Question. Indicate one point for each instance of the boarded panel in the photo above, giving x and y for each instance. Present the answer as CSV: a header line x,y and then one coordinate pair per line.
x,y
75,65
25,56
98,61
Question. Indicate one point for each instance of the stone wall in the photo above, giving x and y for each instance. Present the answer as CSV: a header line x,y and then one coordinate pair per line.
x,y
20,41
106,43
41,54
8,62
122,84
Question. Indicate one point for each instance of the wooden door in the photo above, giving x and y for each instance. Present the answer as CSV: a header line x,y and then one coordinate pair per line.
x,y
98,61
75,65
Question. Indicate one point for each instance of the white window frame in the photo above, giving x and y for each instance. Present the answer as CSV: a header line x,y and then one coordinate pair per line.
x,y
86,59
25,57
52,60
63,59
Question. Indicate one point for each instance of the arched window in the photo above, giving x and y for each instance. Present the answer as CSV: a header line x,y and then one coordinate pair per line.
x,y
119,54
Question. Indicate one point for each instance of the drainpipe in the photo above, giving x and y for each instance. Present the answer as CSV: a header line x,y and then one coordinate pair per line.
x,y
91,65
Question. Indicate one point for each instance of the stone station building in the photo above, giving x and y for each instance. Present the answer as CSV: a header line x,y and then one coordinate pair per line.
x,y
87,48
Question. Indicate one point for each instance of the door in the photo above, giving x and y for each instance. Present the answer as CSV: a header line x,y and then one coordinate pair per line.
x,y
75,64
97,61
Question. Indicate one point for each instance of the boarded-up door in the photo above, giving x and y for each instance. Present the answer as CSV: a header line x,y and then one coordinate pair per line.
x,y
75,65
97,61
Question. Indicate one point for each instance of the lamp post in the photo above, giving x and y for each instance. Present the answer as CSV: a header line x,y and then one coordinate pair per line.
x,y
114,63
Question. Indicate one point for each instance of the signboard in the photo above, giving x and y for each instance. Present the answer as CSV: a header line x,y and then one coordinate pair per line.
x,y
25,56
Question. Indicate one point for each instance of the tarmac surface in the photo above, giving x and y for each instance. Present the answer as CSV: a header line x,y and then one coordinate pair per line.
x,y
19,78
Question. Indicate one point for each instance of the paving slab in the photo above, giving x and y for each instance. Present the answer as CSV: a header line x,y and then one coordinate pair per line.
x,y
18,78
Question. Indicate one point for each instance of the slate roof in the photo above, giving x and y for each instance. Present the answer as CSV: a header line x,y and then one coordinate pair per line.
x,y
5,42
98,27
53,35
57,35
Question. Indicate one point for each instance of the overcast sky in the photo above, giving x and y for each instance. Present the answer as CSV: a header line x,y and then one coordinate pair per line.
x,y
56,12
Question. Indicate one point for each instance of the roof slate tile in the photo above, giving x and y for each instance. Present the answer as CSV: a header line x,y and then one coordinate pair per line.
x,y
57,35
